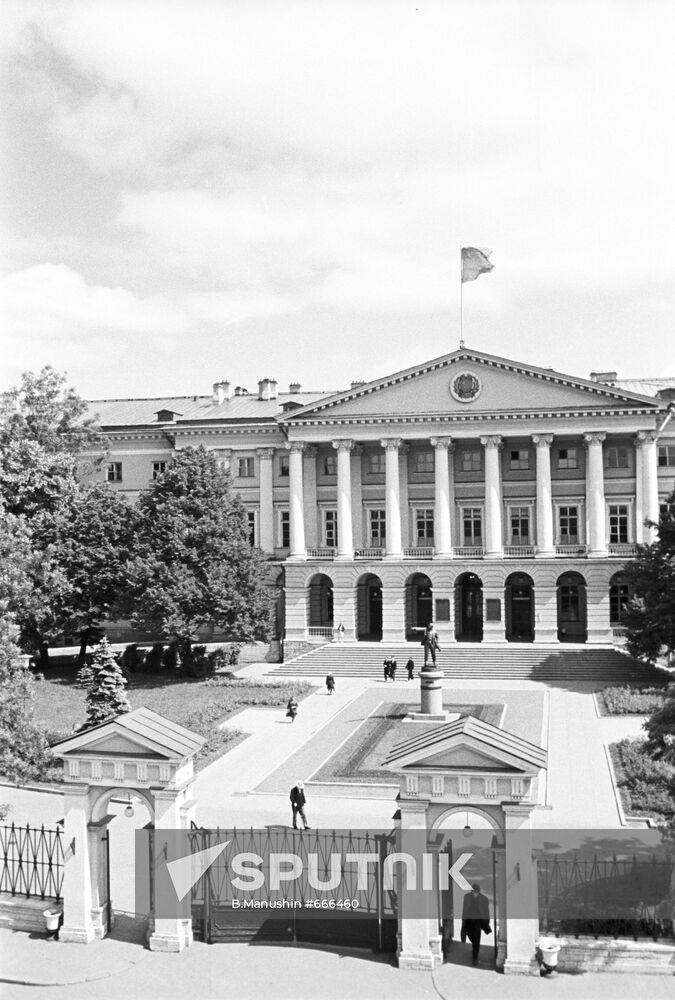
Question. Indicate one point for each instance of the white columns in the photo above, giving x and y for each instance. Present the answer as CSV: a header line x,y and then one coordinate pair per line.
x,y
646,441
345,539
393,498
542,444
442,522
521,891
311,510
595,494
639,491
266,523
493,497
169,933
295,501
357,497
78,925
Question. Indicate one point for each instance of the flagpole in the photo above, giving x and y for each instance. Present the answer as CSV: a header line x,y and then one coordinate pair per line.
x,y
461,302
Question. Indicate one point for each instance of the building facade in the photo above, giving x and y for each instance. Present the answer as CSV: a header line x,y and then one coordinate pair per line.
x,y
497,499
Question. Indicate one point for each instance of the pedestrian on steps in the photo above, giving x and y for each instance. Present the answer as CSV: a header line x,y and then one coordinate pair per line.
x,y
392,669
387,668
410,667
330,683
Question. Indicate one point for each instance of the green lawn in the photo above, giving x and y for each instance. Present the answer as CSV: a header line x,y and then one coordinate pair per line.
x,y
199,705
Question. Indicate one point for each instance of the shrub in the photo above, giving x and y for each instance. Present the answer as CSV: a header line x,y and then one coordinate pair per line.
x,y
170,658
220,658
647,783
153,659
234,653
131,659
200,665
106,698
627,700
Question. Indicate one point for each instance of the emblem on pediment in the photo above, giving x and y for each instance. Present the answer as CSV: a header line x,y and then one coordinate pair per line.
x,y
465,387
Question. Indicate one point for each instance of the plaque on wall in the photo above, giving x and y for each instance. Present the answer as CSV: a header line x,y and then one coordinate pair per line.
x,y
442,609
493,609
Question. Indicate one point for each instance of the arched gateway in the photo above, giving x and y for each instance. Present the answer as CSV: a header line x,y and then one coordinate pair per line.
x,y
138,754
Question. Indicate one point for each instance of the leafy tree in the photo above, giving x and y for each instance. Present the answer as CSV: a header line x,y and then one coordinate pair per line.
x,y
43,432
105,683
194,565
24,752
650,615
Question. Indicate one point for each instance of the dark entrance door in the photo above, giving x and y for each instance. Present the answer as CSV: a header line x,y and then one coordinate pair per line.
x,y
471,609
572,608
425,612
520,609
375,611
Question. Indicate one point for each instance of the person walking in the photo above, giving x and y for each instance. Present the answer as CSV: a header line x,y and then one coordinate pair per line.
x,y
410,667
475,918
298,802
392,669
330,683
340,632
387,666
430,643
292,708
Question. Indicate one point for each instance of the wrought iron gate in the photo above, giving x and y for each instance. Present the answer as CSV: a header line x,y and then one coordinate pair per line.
x,y
216,919
31,861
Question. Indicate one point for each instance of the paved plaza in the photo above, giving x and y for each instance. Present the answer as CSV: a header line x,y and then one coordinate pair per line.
x,y
249,786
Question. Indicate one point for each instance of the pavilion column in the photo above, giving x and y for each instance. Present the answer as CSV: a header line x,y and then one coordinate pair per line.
x,y
295,501
266,525
595,496
521,891
345,539
442,520
544,536
650,484
493,497
393,498
309,487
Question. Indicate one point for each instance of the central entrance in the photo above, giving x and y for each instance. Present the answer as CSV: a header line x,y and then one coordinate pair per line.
x,y
519,603
469,608
419,607
369,608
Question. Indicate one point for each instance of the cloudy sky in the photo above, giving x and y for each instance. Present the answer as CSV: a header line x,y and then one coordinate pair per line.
x,y
228,189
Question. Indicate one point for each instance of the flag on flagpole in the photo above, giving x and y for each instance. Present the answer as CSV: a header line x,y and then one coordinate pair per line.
x,y
474,262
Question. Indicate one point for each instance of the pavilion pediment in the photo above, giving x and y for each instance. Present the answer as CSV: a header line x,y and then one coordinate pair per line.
x,y
463,758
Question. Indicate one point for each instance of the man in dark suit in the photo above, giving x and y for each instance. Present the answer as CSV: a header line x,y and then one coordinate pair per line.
x,y
430,643
298,801
475,918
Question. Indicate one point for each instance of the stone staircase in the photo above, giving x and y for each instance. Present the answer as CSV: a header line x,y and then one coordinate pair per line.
x,y
601,665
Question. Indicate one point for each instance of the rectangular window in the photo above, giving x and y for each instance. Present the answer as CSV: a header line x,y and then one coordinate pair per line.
x,y
158,469
470,461
378,528
250,515
568,525
519,459
666,455
519,520
472,526
330,529
616,457
376,463
569,602
666,508
245,468
618,523
618,599
114,472
330,465
283,466
424,526
424,461
567,458
285,529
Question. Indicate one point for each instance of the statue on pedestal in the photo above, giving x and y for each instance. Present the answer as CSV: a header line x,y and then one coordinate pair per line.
x,y
431,644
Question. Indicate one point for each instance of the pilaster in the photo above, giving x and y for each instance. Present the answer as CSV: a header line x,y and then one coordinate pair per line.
x,y
544,527
493,498
296,501
393,549
266,521
442,518
595,494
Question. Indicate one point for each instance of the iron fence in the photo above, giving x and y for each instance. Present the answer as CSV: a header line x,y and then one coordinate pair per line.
x,y
31,860
608,897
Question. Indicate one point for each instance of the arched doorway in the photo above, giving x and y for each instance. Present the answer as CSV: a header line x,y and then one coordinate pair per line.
x,y
619,595
519,605
369,608
279,605
469,608
320,597
572,620
419,605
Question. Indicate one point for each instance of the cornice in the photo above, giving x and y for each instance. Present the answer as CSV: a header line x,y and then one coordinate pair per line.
x,y
472,417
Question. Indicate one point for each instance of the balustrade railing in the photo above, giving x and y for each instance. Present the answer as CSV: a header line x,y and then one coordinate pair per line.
x,y
469,551
371,553
519,551
321,553
421,552
624,549
570,550
320,632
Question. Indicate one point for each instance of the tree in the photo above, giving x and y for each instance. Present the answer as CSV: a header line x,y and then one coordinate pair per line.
x,y
43,432
105,683
650,614
195,566
89,537
24,751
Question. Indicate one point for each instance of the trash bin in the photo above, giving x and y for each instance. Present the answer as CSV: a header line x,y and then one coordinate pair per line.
x,y
53,917
548,949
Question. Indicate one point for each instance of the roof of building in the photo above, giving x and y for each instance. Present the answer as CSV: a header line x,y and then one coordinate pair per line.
x,y
146,724
196,409
644,386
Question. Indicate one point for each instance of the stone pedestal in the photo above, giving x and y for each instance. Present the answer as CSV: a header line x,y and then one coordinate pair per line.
x,y
431,691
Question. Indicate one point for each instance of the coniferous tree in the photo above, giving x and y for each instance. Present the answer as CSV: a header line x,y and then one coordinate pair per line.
x,y
105,683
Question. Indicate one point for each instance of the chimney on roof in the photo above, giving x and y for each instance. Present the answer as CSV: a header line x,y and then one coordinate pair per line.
x,y
608,377
221,391
267,388
294,387
356,383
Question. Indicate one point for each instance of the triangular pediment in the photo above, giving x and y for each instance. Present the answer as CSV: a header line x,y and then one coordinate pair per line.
x,y
143,731
469,383
119,744
468,743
